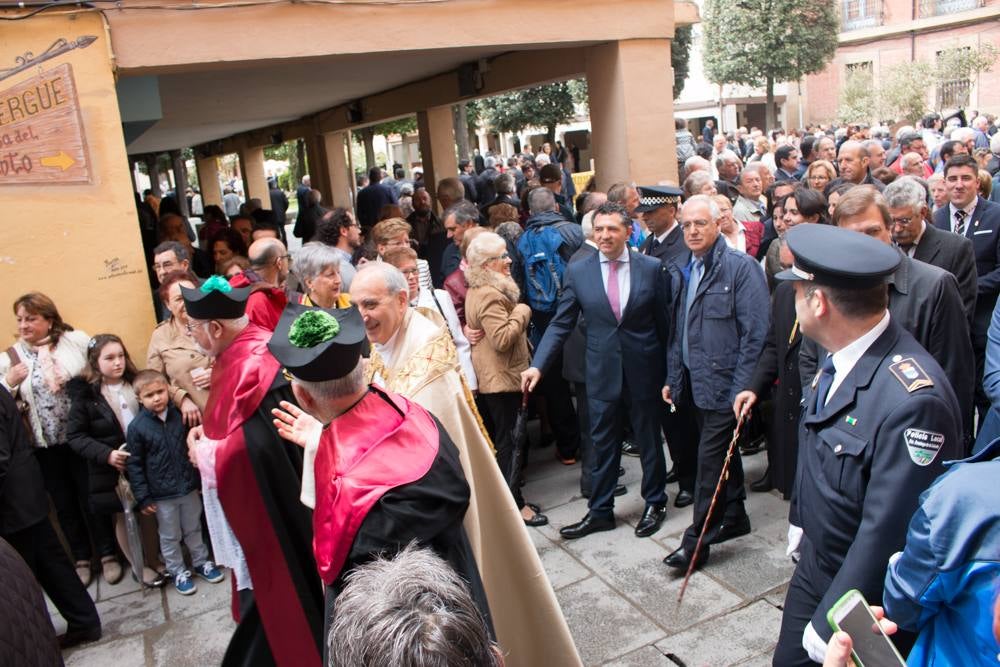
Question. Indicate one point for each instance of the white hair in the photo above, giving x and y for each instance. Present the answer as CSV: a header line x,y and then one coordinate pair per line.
x,y
713,208
395,281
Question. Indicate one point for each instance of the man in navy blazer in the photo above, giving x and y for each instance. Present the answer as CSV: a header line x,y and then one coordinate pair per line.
x,y
722,309
971,216
624,297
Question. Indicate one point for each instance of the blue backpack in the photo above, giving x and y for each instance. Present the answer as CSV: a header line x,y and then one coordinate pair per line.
x,y
543,266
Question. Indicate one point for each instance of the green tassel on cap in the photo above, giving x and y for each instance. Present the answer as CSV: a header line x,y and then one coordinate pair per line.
x,y
312,328
217,284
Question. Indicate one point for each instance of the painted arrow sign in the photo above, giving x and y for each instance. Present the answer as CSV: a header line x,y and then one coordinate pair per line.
x,y
41,132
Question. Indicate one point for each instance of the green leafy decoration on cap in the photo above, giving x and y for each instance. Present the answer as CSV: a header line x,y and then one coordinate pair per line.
x,y
312,328
216,284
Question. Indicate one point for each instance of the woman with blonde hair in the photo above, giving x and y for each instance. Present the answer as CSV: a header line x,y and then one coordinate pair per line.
x,y
491,305
819,174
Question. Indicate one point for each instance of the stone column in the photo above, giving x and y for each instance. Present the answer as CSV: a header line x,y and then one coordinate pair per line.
x,y
632,111
153,169
180,181
208,180
319,174
254,178
437,145
340,177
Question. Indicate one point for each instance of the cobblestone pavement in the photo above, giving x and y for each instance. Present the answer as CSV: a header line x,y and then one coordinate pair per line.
x,y
618,597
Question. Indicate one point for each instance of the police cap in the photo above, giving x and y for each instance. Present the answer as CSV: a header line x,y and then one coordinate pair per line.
x,y
838,257
652,197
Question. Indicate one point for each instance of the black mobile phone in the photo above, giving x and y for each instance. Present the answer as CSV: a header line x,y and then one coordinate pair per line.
x,y
872,648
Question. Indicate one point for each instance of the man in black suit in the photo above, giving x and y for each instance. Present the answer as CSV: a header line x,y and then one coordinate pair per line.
x,y
971,216
624,297
923,299
372,198
907,200
658,208
24,523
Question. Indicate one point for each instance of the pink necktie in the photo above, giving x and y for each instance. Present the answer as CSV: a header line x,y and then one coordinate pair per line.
x,y
614,298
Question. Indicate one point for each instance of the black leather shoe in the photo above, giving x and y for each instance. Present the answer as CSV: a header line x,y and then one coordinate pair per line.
x,y
755,446
629,448
75,637
538,519
672,476
620,490
762,485
651,520
534,508
590,524
684,499
730,531
681,559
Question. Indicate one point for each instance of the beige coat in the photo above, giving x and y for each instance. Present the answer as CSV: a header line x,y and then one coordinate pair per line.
x,y
172,352
529,624
491,305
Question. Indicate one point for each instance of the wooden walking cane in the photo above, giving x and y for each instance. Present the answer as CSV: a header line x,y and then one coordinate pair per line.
x,y
715,496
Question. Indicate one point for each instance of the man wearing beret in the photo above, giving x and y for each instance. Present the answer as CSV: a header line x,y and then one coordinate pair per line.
x,y
396,474
250,483
879,418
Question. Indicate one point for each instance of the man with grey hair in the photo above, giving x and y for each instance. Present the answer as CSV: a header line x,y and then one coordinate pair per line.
x,y
721,310
748,207
413,357
458,218
505,189
980,125
411,609
876,153
907,201
250,484
398,474
268,272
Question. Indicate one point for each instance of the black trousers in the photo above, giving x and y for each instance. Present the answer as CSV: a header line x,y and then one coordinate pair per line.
x,y
716,431
607,425
586,441
562,416
502,408
40,549
680,429
65,476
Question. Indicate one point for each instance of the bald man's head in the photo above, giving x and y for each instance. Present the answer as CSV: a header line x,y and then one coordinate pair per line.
x,y
269,259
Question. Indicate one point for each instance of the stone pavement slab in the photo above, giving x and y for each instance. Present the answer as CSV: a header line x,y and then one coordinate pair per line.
x,y
728,639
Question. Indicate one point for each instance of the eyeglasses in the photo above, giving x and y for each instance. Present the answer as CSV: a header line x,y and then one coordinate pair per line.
x,y
165,266
193,324
410,272
902,222
506,255
700,224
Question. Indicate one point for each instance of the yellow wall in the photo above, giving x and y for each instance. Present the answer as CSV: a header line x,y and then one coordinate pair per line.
x,y
78,243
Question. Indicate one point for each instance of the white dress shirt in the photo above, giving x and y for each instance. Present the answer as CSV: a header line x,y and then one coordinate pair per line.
x,y
623,276
913,246
847,358
968,214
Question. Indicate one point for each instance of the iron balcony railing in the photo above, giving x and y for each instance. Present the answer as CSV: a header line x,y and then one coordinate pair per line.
x,y
928,8
857,14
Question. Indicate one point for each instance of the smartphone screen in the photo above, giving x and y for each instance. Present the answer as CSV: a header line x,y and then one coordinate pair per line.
x,y
873,649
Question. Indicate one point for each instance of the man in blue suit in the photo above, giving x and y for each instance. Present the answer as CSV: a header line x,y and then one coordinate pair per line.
x,y
722,309
624,297
971,216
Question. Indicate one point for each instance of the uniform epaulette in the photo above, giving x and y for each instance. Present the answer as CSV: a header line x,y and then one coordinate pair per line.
x,y
910,374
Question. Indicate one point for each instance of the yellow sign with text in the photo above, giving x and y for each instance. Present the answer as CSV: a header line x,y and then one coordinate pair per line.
x,y
41,132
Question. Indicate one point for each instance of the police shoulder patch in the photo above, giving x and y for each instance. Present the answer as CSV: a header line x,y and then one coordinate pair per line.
x,y
922,445
911,375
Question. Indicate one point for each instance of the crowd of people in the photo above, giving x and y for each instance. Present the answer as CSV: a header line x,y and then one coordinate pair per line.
x,y
830,291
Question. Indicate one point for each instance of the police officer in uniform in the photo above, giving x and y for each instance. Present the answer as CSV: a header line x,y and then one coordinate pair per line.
x,y
879,418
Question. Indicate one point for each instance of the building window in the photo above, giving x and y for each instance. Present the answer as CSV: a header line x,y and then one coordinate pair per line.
x,y
939,7
862,70
956,93
857,14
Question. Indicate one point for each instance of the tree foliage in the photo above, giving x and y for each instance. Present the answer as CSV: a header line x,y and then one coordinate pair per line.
x,y
749,41
900,93
680,56
761,42
542,106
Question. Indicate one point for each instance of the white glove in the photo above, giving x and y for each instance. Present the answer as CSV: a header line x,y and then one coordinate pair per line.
x,y
813,644
794,540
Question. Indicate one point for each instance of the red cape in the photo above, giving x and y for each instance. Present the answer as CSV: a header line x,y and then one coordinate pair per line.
x,y
383,442
241,376
265,303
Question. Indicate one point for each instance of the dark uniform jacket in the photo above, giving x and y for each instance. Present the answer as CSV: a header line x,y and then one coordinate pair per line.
x,y
865,458
924,300
983,228
672,250
954,254
779,362
727,324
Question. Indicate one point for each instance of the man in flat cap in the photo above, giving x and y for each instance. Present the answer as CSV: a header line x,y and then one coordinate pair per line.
x,y
380,471
879,418
658,206
250,483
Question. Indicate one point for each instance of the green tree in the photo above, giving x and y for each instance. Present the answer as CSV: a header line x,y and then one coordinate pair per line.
x,y
760,42
680,57
543,106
